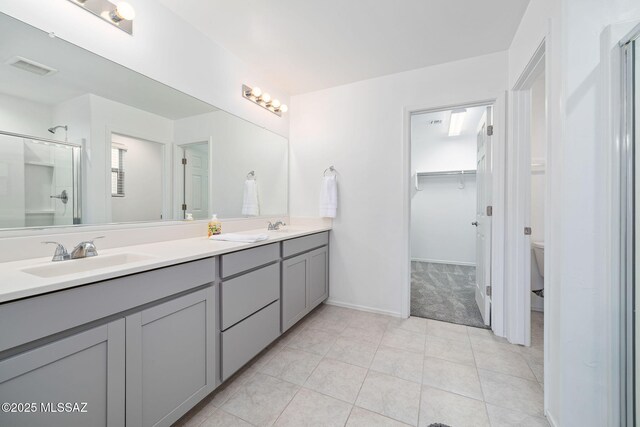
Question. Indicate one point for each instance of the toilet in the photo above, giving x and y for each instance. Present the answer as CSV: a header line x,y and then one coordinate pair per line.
x,y
538,251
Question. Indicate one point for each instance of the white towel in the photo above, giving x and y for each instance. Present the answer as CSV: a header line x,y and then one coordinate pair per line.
x,y
250,203
238,237
329,196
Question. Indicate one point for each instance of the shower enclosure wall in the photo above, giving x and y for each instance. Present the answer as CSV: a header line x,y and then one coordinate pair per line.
x,y
39,182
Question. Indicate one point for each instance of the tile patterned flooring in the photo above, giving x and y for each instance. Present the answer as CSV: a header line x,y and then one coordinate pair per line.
x,y
341,367
445,292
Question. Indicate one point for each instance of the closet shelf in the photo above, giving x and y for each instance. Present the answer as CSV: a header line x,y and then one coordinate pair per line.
x,y
459,173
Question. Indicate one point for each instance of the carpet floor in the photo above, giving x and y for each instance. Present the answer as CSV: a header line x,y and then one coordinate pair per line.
x,y
445,292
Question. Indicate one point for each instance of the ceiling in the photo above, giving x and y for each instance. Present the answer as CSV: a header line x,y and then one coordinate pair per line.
x,y
79,72
302,46
427,128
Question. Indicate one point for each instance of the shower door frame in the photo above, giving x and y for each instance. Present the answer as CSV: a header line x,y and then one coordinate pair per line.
x,y
628,141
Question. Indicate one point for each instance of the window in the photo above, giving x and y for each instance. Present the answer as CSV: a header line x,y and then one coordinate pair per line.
x,y
117,171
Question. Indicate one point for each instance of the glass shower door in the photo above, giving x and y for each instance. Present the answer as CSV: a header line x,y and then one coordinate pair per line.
x,y
39,182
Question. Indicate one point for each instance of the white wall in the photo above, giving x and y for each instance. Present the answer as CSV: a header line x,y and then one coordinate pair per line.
x,y
19,115
358,128
441,217
144,169
163,47
441,213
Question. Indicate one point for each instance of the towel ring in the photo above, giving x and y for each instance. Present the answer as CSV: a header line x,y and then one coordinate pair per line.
x,y
251,175
330,169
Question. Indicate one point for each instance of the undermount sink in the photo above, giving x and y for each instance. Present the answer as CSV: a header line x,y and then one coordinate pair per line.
x,y
84,265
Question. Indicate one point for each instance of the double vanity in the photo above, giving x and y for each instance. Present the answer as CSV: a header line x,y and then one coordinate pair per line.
x,y
137,336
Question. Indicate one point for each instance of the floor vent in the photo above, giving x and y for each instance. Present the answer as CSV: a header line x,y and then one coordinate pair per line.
x,y
31,66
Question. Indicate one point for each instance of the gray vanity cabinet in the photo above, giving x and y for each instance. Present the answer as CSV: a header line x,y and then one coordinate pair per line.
x,y
318,281
295,274
170,359
85,368
305,277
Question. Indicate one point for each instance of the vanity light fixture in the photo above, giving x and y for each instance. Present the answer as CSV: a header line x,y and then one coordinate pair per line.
x,y
456,122
119,14
263,99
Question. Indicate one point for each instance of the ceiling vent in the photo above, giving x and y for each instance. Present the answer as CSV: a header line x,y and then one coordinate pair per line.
x,y
31,66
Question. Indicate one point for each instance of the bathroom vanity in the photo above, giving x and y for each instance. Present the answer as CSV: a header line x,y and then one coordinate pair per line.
x,y
142,343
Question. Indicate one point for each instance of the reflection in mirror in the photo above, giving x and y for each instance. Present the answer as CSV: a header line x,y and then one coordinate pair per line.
x,y
136,179
77,127
195,176
38,183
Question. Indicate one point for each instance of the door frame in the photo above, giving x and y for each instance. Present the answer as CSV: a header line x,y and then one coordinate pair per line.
x,y
178,182
497,233
518,262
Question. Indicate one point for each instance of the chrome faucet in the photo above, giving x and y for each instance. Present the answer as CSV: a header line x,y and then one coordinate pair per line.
x,y
60,254
82,250
85,249
275,226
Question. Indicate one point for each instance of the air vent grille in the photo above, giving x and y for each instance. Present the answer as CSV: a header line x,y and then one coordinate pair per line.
x,y
31,66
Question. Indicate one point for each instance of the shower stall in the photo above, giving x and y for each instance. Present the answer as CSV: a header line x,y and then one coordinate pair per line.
x,y
39,181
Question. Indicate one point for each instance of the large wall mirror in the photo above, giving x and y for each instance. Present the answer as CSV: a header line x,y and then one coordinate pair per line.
x,y
84,140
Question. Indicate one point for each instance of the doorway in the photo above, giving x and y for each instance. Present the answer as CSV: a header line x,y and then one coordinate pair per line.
x,y
450,226
195,180
137,179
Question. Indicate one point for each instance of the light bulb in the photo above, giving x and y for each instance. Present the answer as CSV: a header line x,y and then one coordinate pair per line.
x,y
123,12
256,91
266,97
275,104
284,108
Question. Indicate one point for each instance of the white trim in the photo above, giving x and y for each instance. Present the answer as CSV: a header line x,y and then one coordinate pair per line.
x,y
499,172
439,261
518,265
362,308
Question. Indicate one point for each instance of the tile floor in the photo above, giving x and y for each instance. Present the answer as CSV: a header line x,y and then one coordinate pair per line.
x,y
445,292
341,367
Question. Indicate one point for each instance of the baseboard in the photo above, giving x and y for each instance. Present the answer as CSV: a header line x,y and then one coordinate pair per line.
x,y
552,422
362,308
439,261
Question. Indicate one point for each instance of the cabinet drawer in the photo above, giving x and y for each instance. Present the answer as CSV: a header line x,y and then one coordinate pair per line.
x,y
246,294
304,244
238,262
243,341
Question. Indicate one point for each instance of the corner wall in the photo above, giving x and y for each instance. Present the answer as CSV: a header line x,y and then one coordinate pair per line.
x,y
359,129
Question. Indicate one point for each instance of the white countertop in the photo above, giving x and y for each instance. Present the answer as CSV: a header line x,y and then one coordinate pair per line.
x,y
16,284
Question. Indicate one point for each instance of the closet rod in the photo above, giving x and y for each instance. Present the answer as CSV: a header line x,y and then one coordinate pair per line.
x,y
444,173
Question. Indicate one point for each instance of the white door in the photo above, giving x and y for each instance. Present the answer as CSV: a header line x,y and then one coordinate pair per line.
x,y
196,180
483,218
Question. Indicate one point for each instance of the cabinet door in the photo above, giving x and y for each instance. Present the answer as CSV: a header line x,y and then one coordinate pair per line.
x,y
87,368
294,290
318,281
170,359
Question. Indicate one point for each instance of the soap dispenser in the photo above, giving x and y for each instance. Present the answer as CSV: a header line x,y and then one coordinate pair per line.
x,y
215,226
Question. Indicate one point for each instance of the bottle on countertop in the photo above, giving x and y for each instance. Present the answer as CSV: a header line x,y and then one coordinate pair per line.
x,y
215,226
